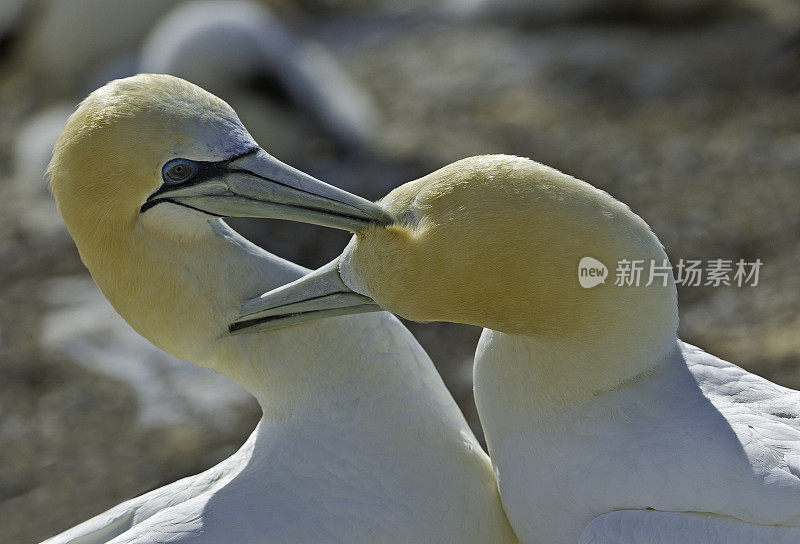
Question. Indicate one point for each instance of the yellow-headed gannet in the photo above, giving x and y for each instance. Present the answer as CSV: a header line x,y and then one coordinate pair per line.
x,y
592,407
360,440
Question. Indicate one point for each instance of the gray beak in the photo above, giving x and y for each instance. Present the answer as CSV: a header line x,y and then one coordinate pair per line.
x,y
257,184
321,293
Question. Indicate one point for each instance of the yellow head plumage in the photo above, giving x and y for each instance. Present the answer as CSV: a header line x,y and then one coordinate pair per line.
x,y
495,241
109,156
106,163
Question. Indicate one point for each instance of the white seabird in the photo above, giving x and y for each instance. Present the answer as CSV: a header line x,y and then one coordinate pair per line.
x,y
360,440
602,425
224,46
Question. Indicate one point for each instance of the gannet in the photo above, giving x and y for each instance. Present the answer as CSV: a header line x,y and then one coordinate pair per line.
x,y
359,440
600,422
226,46
64,43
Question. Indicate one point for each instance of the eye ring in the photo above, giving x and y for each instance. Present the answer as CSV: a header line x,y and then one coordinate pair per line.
x,y
178,171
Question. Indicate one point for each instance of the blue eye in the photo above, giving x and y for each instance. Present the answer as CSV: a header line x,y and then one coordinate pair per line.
x,y
178,170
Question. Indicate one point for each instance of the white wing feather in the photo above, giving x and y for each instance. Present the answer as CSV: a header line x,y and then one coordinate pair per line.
x,y
651,527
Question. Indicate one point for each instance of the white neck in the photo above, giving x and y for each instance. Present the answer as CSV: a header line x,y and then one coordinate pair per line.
x,y
339,365
370,436
517,376
321,366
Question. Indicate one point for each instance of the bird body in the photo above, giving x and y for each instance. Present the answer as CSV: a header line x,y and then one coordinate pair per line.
x,y
693,434
359,456
360,441
589,402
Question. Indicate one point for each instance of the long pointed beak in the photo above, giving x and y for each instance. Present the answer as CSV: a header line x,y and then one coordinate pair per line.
x,y
257,184
321,293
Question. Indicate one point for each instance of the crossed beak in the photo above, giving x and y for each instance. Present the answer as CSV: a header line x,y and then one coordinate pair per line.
x,y
256,184
319,294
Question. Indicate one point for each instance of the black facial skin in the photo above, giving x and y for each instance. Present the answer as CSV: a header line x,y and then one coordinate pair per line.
x,y
205,170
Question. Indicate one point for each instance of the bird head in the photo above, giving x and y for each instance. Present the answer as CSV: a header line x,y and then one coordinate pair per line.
x,y
141,174
494,241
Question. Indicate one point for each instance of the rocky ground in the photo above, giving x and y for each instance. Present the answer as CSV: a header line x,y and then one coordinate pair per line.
x,y
688,115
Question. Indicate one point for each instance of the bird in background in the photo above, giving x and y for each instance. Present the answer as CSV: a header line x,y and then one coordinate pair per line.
x,y
359,441
601,424
233,47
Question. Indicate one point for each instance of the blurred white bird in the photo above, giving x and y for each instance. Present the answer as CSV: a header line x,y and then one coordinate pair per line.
x,y
67,42
225,45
